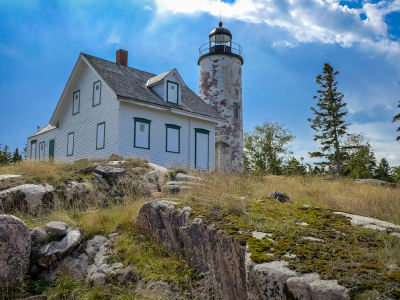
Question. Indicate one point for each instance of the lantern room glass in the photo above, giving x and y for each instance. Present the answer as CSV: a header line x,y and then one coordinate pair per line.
x,y
220,39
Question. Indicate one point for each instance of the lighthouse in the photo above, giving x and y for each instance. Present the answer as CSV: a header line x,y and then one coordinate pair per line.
x,y
220,85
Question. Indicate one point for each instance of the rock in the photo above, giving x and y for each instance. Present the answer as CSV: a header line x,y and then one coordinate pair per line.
x,y
56,228
175,187
328,290
371,181
370,222
124,275
110,173
279,196
203,246
299,286
97,279
27,198
116,163
38,236
74,189
267,280
55,251
185,177
103,184
15,250
4,177
94,245
74,267
158,168
313,239
156,177
159,289
85,171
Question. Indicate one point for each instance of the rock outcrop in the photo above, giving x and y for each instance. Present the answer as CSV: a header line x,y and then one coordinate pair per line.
x,y
279,196
15,250
205,247
27,198
235,275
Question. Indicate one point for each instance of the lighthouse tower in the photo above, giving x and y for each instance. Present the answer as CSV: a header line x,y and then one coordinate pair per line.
x,y
220,85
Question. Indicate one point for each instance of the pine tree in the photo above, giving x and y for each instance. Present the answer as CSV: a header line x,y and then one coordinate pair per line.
x,y
24,152
7,155
2,157
329,119
383,171
16,156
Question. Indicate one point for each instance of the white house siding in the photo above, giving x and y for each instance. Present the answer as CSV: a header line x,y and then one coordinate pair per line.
x,y
84,123
157,153
44,137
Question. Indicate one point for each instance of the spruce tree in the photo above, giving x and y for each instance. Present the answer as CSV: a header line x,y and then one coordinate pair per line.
x,y
16,156
7,155
329,119
397,118
383,171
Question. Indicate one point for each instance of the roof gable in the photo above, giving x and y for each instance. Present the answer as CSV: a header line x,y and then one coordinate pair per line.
x,y
162,77
131,84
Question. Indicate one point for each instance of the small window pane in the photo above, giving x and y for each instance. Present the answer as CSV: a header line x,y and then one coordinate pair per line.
x,y
70,149
142,135
172,140
236,110
172,89
100,136
96,93
76,102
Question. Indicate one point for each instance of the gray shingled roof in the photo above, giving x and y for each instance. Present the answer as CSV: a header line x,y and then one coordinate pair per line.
x,y
158,78
130,83
43,130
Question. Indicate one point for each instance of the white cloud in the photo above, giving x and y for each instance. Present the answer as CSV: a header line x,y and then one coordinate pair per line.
x,y
308,21
147,7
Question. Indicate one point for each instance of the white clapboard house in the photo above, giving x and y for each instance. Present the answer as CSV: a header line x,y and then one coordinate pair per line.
x,y
109,108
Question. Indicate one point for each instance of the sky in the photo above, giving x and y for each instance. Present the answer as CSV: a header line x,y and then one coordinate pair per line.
x,y
285,45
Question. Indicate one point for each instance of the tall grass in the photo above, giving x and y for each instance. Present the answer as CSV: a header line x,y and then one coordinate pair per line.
x,y
227,190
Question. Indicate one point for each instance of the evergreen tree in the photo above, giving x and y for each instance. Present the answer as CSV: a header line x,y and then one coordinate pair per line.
x,y
294,167
2,157
328,121
265,147
16,156
7,156
361,161
383,171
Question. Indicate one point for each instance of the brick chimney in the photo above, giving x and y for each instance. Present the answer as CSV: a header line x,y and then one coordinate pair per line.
x,y
122,57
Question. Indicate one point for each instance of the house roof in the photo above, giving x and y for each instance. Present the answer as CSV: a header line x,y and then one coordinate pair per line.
x,y
130,84
43,130
158,78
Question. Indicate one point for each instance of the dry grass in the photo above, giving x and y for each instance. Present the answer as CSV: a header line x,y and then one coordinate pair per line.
x,y
376,201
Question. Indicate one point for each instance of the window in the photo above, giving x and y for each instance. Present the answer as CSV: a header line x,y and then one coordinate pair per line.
x,y
76,102
236,110
70,144
96,93
101,135
173,139
172,92
41,150
141,137
33,149
202,148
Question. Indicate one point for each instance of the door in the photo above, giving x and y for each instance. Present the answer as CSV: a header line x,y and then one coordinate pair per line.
x,y
51,149
41,150
201,149
33,150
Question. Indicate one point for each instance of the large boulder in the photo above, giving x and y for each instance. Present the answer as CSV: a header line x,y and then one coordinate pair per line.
x,y
57,250
211,251
110,173
15,250
187,178
6,176
28,198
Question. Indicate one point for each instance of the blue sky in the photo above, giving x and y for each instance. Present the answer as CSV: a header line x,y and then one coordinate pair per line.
x,y
285,44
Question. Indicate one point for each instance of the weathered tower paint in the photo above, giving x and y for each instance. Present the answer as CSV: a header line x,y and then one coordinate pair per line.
x,y
220,85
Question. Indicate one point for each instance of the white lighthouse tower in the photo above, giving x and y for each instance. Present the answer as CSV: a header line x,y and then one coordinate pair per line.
x,y
220,85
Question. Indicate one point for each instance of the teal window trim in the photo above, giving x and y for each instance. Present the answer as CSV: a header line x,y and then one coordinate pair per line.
x,y
172,126
236,110
140,120
79,102
94,84
200,130
97,134
33,142
177,91
51,142
73,142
